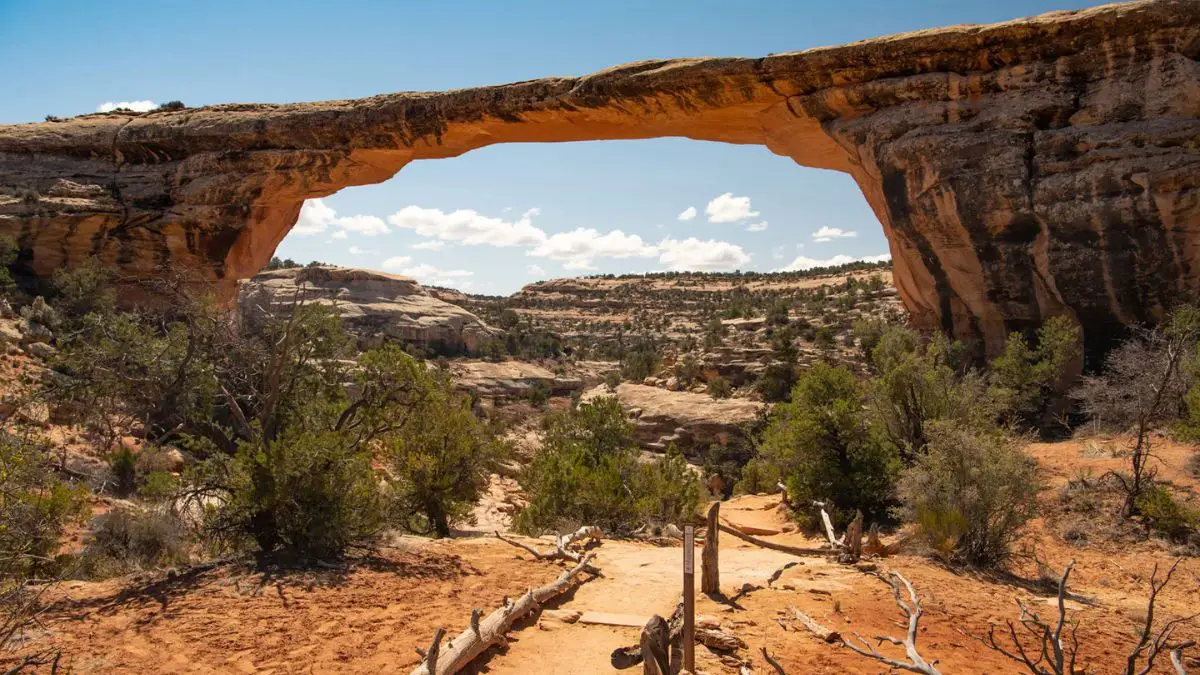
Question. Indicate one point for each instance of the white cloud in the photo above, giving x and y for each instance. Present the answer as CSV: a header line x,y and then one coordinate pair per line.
x,y
136,106
316,216
704,256
805,263
729,209
468,227
536,271
757,227
688,214
535,211
778,253
368,226
431,245
396,262
430,273
581,245
355,250
830,233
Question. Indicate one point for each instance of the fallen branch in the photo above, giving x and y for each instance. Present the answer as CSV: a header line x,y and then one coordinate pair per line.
x,y
912,610
782,548
560,551
719,640
815,628
771,661
480,636
628,657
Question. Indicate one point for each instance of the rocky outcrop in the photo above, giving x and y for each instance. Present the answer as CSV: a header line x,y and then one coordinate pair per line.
x,y
510,379
693,422
1037,167
374,307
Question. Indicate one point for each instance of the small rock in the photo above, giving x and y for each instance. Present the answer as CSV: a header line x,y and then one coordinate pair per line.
x,y
708,621
41,350
672,531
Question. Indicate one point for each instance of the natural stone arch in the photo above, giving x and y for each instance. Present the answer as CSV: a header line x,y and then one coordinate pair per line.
x,y
1019,170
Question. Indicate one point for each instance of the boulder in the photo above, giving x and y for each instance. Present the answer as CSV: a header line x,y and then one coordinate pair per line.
x,y
374,306
509,379
693,422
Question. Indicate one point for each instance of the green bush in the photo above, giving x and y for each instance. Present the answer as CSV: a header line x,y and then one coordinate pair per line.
x,y
718,387
1164,514
83,289
667,490
582,473
823,447
35,507
1026,379
440,458
640,362
758,476
971,492
128,540
612,380
122,464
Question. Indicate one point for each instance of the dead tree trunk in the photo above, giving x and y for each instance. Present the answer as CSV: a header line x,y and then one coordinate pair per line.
x,y
710,571
852,540
481,635
654,643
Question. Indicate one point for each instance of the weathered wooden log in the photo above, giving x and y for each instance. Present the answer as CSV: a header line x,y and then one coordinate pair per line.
x,y
710,572
719,640
815,628
852,540
476,639
782,548
654,644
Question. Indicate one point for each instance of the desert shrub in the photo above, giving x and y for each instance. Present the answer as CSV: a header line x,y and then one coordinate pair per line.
x,y
583,472
128,540
1025,378
777,379
612,380
757,476
1169,517
639,362
687,370
823,447
667,490
35,507
310,493
159,486
172,105
917,384
439,459
39,313
122,464
539,394
971,492
719,387
8,255
82,289
714,334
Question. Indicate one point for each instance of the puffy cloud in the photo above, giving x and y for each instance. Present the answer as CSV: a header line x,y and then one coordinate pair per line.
x,y
354,250
757,227
688,214
704,256
396,262
729,209
830,233
805,263
429,274
431,245
536,271
466,226
136,106
580,246
368,226
535,211
316,216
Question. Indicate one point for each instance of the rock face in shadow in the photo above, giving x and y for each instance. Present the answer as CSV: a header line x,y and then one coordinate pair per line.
x,y
1038,167
375,307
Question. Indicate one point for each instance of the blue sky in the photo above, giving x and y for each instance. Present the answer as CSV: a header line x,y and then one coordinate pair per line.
x,y
503,216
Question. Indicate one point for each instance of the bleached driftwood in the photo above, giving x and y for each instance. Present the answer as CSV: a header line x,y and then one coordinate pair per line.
x,y
912,611
825,634
710,570
561,550
481,635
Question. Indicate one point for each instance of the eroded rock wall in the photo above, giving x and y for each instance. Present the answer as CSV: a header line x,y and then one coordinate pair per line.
x,y
1020,170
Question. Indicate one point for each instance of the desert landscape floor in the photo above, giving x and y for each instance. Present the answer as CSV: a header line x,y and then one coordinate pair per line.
x,y
371,616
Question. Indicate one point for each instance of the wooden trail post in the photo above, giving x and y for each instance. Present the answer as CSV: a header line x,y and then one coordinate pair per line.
x,y
710,570
689,598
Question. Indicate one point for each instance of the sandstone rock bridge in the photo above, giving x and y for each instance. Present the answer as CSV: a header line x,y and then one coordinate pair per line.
x,y
1020,170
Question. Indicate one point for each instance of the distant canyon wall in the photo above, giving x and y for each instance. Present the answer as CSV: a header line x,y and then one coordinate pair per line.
x,y
1020,170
